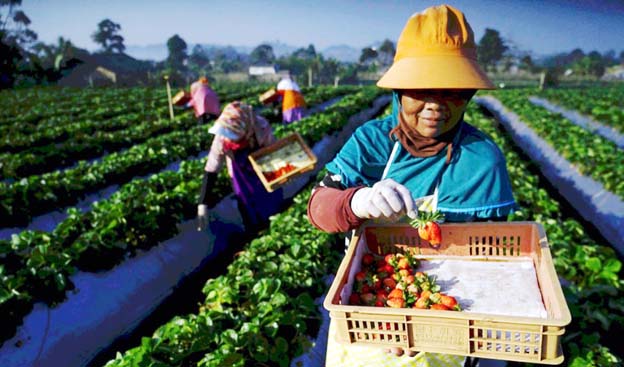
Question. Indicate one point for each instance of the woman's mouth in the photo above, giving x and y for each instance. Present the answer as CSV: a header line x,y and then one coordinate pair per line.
x,y
431,121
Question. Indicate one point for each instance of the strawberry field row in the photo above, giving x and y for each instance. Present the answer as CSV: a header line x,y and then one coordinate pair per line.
x,y
25,109
261,311
592,283
147,104
605,104
39,194
36,160
593,155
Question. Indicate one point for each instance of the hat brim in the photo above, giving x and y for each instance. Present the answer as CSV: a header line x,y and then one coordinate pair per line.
x,y
217,129
435,72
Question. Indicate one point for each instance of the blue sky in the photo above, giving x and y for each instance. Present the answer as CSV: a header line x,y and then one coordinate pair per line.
x,y
542,27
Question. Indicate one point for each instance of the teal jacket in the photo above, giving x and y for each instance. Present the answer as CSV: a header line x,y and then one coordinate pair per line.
x,y
474,185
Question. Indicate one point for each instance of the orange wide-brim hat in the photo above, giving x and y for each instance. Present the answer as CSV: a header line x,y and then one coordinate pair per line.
x,y
436,50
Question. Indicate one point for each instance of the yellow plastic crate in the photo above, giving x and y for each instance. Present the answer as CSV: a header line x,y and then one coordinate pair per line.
x,y
289,150
512,338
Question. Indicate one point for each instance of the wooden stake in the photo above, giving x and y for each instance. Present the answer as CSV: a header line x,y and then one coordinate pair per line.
x,y
169,97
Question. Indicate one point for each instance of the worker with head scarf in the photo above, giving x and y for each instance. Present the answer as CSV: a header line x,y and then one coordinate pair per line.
x,y
204,101
423,148
293,104
238,132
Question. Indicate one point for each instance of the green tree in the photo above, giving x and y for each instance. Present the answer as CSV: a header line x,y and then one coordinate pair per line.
x,y
107,35
199,58
177,53
386,52
526,63
308,53
14,25
368,55
491,48
262,55
15,38
329,70
593,64
227,64
53,56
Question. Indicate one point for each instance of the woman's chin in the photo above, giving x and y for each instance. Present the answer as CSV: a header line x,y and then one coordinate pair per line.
x,y
429,132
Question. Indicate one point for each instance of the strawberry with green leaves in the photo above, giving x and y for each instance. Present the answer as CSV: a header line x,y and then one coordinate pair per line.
x,y
428,227
450,302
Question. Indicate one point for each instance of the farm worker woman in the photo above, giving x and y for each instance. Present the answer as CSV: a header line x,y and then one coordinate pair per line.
x,y
238,132
293,103
204,101
423,148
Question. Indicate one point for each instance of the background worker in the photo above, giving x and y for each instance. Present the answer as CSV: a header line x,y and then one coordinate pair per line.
x,y
293,104
238,132
204,101
423,148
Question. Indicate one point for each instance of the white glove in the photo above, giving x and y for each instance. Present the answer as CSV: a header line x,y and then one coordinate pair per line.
x,y
202,217
386,198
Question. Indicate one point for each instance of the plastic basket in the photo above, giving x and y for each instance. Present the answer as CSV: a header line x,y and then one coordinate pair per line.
x,y
181,98
289,150
523,339
268,96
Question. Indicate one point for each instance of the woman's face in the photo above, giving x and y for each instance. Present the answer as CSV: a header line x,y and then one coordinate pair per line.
x,y
434,111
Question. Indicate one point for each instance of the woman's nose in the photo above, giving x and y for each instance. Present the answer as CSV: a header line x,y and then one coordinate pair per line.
x,y
434,104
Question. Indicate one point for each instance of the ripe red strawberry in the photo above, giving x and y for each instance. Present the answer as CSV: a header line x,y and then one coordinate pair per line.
x,y
376,282
409,279
382,295
432,232
395,293
449,302
389,284
422,302
388,269
368,298
368,259
404,273
403,263
396,302
354,299
390,258
439,306
360,276
428,227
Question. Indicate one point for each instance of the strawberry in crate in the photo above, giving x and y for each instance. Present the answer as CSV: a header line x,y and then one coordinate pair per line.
x,y
393,281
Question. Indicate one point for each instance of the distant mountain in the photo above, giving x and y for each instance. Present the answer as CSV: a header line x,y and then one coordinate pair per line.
x,y
154,52
158,52
342,53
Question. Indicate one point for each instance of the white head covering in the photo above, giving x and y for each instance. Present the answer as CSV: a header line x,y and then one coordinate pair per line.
x,y
288,84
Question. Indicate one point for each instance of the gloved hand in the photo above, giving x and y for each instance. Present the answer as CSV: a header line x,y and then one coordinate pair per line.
x,y
386,198
202,217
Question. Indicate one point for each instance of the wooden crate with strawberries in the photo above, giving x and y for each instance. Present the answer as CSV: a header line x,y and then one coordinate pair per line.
x,y
282,161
